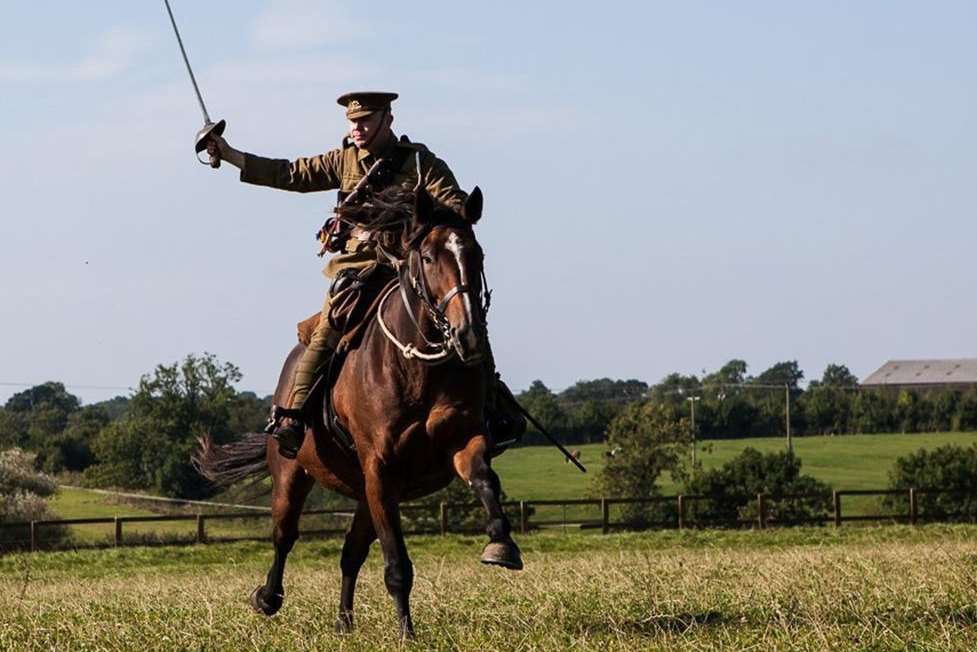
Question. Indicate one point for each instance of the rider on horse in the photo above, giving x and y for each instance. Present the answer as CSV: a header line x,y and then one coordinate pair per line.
x,y
370,159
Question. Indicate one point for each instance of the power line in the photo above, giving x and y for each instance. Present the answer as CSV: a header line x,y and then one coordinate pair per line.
x,y
112,387
107,387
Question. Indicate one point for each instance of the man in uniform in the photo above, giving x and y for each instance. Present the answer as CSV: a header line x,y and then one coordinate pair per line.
x,y
370,155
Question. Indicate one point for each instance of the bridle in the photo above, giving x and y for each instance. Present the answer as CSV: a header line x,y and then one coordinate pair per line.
x,y
410,271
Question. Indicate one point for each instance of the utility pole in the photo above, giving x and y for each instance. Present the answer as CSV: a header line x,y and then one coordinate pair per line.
x,y
790,444
692,401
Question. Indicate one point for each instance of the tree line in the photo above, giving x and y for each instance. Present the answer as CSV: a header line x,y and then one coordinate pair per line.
x,y
143,441
729,403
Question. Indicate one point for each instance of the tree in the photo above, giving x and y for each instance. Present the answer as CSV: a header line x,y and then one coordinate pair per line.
x,y
543,405
827,409
50,394
248,413
783,373
115,407
732,489
71,449
22,494
731,373
874,411
645,440
950,468
39,414
150,447
605,389
838,375
675,388
13,428
966,416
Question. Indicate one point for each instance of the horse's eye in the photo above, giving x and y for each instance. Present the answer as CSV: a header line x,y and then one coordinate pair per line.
x,y
427,259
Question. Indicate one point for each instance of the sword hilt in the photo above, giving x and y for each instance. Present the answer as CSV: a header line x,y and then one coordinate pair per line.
x,y
203,136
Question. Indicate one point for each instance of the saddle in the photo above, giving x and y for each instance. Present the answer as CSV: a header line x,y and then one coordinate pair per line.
x,y
354,301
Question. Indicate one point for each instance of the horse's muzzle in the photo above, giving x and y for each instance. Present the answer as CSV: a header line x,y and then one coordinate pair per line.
x,y
467,343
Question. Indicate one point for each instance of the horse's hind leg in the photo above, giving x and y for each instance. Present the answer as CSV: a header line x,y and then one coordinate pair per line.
x,y
471,464
355,549
291,486
398,573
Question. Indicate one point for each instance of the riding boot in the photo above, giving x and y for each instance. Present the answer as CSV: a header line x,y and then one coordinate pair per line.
x,y
504,419
290,435
290,432
503,416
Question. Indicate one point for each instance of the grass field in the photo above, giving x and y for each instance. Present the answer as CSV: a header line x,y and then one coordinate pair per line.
x,y
845,462
892,588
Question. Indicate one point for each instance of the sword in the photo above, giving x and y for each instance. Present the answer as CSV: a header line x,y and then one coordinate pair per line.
x,y
210,127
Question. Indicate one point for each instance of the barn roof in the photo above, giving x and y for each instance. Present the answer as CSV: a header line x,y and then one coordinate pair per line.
x,y
925,372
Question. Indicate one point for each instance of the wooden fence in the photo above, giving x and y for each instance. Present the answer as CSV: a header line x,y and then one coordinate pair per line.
x,y
596,513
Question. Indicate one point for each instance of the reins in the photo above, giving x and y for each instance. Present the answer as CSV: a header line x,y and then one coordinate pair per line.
x,y
442,351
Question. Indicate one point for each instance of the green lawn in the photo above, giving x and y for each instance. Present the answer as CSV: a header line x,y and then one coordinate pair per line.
x,y
845,462
80,503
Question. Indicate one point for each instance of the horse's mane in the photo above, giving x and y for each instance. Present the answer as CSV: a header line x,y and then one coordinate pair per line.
x,y
392,211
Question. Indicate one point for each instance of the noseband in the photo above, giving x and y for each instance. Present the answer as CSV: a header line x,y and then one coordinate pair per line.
x,y
411,274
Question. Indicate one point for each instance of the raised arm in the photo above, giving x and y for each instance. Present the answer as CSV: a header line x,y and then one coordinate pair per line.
x,y
308,174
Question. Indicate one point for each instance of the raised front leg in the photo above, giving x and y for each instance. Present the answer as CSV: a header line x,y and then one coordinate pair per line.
x,y
291,485
355,549
471,464
398,572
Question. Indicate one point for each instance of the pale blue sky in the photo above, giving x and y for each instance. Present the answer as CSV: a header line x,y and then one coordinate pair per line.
x,y
668,185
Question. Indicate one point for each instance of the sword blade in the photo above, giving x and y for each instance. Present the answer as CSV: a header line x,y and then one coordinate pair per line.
x,y
183,51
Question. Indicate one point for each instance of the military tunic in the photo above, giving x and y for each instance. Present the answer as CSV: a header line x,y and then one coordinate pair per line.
x,y
341,169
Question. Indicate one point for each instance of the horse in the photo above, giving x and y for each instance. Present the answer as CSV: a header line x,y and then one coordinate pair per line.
x,y
416,417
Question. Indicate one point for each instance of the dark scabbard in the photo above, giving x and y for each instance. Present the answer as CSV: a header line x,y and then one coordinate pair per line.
x,y
552,439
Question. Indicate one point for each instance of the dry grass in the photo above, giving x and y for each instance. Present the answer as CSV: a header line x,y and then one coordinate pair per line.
x,y
891,588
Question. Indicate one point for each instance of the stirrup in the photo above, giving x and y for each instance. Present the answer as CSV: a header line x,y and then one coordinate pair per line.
x,y
288,429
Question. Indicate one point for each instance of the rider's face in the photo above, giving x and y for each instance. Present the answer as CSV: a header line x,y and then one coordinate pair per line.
x,y
369,129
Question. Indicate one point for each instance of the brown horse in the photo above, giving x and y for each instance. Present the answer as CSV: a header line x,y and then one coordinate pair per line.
x,y
416,423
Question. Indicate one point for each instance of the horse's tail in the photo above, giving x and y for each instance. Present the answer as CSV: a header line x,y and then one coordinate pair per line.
x,y
230,463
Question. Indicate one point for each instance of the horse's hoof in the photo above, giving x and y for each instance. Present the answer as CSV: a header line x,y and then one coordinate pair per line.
x,y
503,553
266,606
344,623
406,629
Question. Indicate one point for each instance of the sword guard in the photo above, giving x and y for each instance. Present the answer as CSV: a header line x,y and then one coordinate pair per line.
x,y
208,130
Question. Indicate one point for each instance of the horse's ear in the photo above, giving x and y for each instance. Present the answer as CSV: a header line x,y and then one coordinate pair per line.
x,y
473,206
423,207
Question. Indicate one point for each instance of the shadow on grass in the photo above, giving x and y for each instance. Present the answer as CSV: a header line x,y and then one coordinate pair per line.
x,y
661,624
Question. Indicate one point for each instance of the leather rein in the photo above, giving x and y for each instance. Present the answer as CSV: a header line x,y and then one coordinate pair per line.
x,y
411,274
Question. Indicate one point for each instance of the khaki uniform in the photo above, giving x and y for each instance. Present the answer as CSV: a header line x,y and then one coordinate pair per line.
x,y
341,169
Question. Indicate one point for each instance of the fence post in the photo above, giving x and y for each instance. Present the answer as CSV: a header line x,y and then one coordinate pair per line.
x,y
681,511
912,506
604,516
444,518
836,501
117,540
523,517
33,529
761,511
201,529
